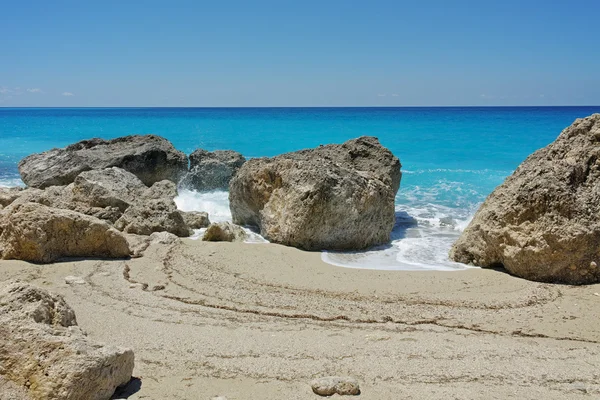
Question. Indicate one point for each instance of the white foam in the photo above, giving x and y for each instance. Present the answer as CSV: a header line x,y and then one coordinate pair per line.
x,y
421,240
11,182
216,204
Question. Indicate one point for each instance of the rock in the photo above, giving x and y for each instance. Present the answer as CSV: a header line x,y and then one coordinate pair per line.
x,y
74,280
161,190
212,170
330,385
37,233
195,219
110,187
151,158
335,197
153,216
43,349
224,232
542,223
8,195
139,244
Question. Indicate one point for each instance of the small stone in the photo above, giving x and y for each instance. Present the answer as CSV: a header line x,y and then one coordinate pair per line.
x,y
74,280
330,385
593,265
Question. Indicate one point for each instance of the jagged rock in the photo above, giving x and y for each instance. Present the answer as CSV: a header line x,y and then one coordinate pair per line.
x,y
153,216
43,350
195,219
37,233
224,232
543,222
330,385
151,158
212,170
332,197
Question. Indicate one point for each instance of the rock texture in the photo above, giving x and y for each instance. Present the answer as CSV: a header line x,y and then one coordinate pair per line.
x,y
153,216
335,197
330,385
195,219
37,233
151,158
111,187
224,232
543,222
212,170
43,350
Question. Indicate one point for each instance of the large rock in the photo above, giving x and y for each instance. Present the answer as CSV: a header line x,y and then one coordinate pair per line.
x,y
543,222
43,350
37,233
335,197
111,187
212,170
151,158
153,216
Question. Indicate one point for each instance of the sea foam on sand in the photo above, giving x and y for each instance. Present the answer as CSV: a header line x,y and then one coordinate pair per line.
x,y
421,237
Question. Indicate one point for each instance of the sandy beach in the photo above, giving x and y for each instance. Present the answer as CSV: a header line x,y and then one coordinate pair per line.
x,y
259,321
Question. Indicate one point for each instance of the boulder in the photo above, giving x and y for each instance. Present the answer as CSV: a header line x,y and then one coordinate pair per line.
x,y
110,187
330,385
212,170
543,222
44,351
37,233
336,197
195,219
224,232
151,158
155,215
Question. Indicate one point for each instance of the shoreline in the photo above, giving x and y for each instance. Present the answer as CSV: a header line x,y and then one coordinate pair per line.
x,y
246,321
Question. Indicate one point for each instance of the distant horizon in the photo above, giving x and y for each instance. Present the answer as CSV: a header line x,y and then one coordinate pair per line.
x,y
270,107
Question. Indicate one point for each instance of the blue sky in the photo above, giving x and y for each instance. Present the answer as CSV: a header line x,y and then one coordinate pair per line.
x,y
299,53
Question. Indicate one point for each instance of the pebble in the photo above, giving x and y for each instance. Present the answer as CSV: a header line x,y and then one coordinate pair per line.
x,y
330,385
74,280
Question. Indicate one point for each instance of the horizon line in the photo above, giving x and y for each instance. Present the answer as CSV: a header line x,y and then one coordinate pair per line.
x,y
266,107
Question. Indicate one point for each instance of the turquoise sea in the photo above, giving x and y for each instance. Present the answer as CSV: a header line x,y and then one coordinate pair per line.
x,y
452,157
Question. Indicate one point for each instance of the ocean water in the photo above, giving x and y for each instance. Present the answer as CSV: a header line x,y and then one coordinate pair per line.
x,y
452,157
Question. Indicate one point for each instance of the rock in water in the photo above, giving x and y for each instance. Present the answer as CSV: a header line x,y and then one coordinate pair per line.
x,y
330,385
37,233
151,158
224,232
43,349
336,197
212,170
543,222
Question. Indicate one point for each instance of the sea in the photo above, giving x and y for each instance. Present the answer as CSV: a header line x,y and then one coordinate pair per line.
x,y
452,157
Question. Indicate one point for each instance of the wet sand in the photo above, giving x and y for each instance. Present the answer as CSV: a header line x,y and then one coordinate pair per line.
x,y
259,321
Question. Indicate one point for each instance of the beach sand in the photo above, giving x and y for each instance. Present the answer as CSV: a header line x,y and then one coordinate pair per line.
x,y
260,321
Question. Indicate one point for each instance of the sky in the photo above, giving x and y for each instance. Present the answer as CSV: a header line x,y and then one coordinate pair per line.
x,y
241,53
